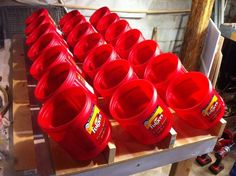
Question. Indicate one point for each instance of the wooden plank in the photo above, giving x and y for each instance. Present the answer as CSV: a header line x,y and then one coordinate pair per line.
x,y
214,72
23,149
217,69
43,156
110,152
219,128
145,162
209,48
169,141
195,33
27,133
32,100
181,168
128,152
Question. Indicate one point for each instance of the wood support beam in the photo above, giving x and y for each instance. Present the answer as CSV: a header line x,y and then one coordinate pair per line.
x,y
181,168
195,33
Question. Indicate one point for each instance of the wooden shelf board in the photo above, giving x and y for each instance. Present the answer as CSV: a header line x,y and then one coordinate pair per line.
x,y
127,149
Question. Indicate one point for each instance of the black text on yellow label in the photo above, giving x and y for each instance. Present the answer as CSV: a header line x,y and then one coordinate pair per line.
x,y
155,119
211,107
94,122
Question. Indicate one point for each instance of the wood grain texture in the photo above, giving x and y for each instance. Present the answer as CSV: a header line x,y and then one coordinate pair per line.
x,y
181,168
195,33
214,72
23,149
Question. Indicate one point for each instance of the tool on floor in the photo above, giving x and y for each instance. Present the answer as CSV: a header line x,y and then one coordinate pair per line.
x,y
203,159
217,166
222,147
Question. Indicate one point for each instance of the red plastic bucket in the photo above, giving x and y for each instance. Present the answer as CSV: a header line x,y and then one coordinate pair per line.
x,y
111,76
73,120
44,42
50,58
161,70
58,78
98,14
37,32
87,44
139,110
115,30
36,14
127,41
78,32
98,58
38,21
141,54
70,24
195,101
106,21
67,17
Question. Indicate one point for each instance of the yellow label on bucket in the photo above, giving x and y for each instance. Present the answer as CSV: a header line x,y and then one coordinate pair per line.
x,y
94,122
211,107
155,119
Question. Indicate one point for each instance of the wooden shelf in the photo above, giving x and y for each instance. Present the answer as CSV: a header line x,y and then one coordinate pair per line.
x,y
186,146
123,155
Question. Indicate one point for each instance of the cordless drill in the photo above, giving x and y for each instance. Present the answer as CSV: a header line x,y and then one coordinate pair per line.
x,y
217,166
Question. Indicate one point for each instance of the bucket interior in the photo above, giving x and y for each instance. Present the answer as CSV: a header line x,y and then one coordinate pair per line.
x,y
55,79
143,52
69,15
133,100
107,21
44,42
117,29
98,14
50,57
42,29
81,30
77,20
72,23
66,106
90,42
162,68
100,56
130,38
188,91
37,22
113,74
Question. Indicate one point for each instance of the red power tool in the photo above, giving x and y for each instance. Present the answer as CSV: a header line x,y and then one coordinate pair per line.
x,y
223,146
217,166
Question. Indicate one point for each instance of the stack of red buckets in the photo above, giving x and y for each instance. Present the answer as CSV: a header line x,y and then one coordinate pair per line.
x,y
106,58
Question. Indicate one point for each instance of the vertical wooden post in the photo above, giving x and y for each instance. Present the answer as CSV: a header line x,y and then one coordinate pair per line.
x,y
181,168
195,33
